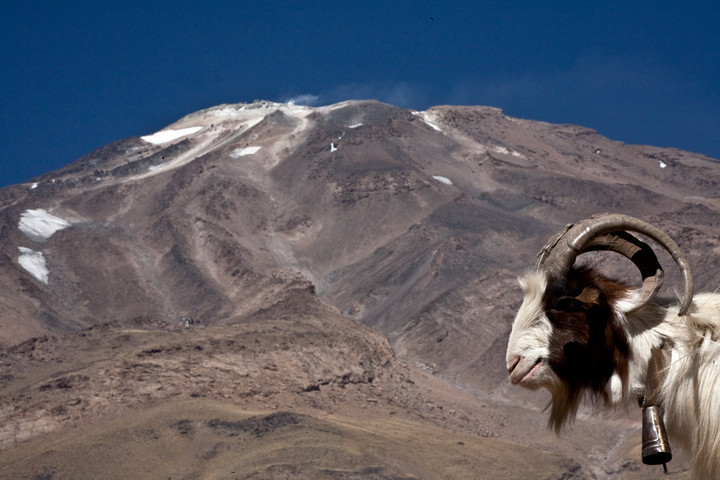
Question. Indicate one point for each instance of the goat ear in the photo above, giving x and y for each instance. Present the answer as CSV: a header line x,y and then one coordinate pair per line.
x,y
588,298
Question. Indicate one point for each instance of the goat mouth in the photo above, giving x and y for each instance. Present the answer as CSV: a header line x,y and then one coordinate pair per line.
x,y
523,374
536,366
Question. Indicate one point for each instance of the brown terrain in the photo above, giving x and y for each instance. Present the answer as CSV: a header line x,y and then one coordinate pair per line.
x,y
285,292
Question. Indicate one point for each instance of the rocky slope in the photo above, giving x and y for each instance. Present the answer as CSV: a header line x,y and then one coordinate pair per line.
x,y
309,268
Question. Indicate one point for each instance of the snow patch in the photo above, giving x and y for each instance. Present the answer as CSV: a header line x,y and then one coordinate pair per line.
x,y
332,147
39,225
662,164
169,135
241,152
34,263
355,125
424,117
506,151
33,186
444,180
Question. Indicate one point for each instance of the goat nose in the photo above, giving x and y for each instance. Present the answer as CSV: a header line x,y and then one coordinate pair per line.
x,y
512,362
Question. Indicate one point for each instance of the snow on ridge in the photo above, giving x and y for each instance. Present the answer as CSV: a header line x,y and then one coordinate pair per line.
x,y
241,152
424,117
240,115
34,263
244,115
39,225
442,179
165,136
355,125
257,108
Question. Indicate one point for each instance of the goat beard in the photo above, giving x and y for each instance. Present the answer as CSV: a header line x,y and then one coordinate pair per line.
x,y
566,398
564,403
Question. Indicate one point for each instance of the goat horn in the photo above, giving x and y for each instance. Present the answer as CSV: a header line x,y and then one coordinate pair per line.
x,y
607,232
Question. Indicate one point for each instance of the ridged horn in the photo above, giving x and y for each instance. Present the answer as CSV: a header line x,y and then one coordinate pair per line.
x,y
608,231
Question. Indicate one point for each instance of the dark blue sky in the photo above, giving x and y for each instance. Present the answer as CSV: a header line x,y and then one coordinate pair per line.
x,y
77,75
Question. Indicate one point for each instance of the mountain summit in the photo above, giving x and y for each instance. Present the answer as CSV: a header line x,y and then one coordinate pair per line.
x,y
356,260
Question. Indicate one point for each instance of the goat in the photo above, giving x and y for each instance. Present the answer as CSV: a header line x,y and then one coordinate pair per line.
x,y
579,332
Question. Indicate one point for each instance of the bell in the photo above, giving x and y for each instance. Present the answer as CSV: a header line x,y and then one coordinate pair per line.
x,y
655,445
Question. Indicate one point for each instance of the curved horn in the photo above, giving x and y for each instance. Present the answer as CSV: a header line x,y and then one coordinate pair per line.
x,y
608,232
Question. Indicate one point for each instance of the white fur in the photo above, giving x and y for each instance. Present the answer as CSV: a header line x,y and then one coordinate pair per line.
x,y
615,389
530,336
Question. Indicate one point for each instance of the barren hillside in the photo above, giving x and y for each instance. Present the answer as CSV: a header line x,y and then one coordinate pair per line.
x,y
274,291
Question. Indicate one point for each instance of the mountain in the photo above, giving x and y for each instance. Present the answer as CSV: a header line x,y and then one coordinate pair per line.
x,y
257,285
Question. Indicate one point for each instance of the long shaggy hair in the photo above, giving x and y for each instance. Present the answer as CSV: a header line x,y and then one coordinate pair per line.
x,y
691,391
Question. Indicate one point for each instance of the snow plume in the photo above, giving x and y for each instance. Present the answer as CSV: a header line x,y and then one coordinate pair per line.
x,y
304,99
34,263
39,225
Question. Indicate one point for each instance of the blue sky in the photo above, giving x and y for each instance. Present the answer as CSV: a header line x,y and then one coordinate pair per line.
x,y
77,75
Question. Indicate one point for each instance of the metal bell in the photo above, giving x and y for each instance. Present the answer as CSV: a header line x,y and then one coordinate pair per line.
x,y
655,445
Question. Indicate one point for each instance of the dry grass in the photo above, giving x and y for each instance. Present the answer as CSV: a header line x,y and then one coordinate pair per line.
x,y
201,439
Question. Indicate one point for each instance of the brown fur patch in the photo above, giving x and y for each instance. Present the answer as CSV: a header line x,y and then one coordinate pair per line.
x,y
587,344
